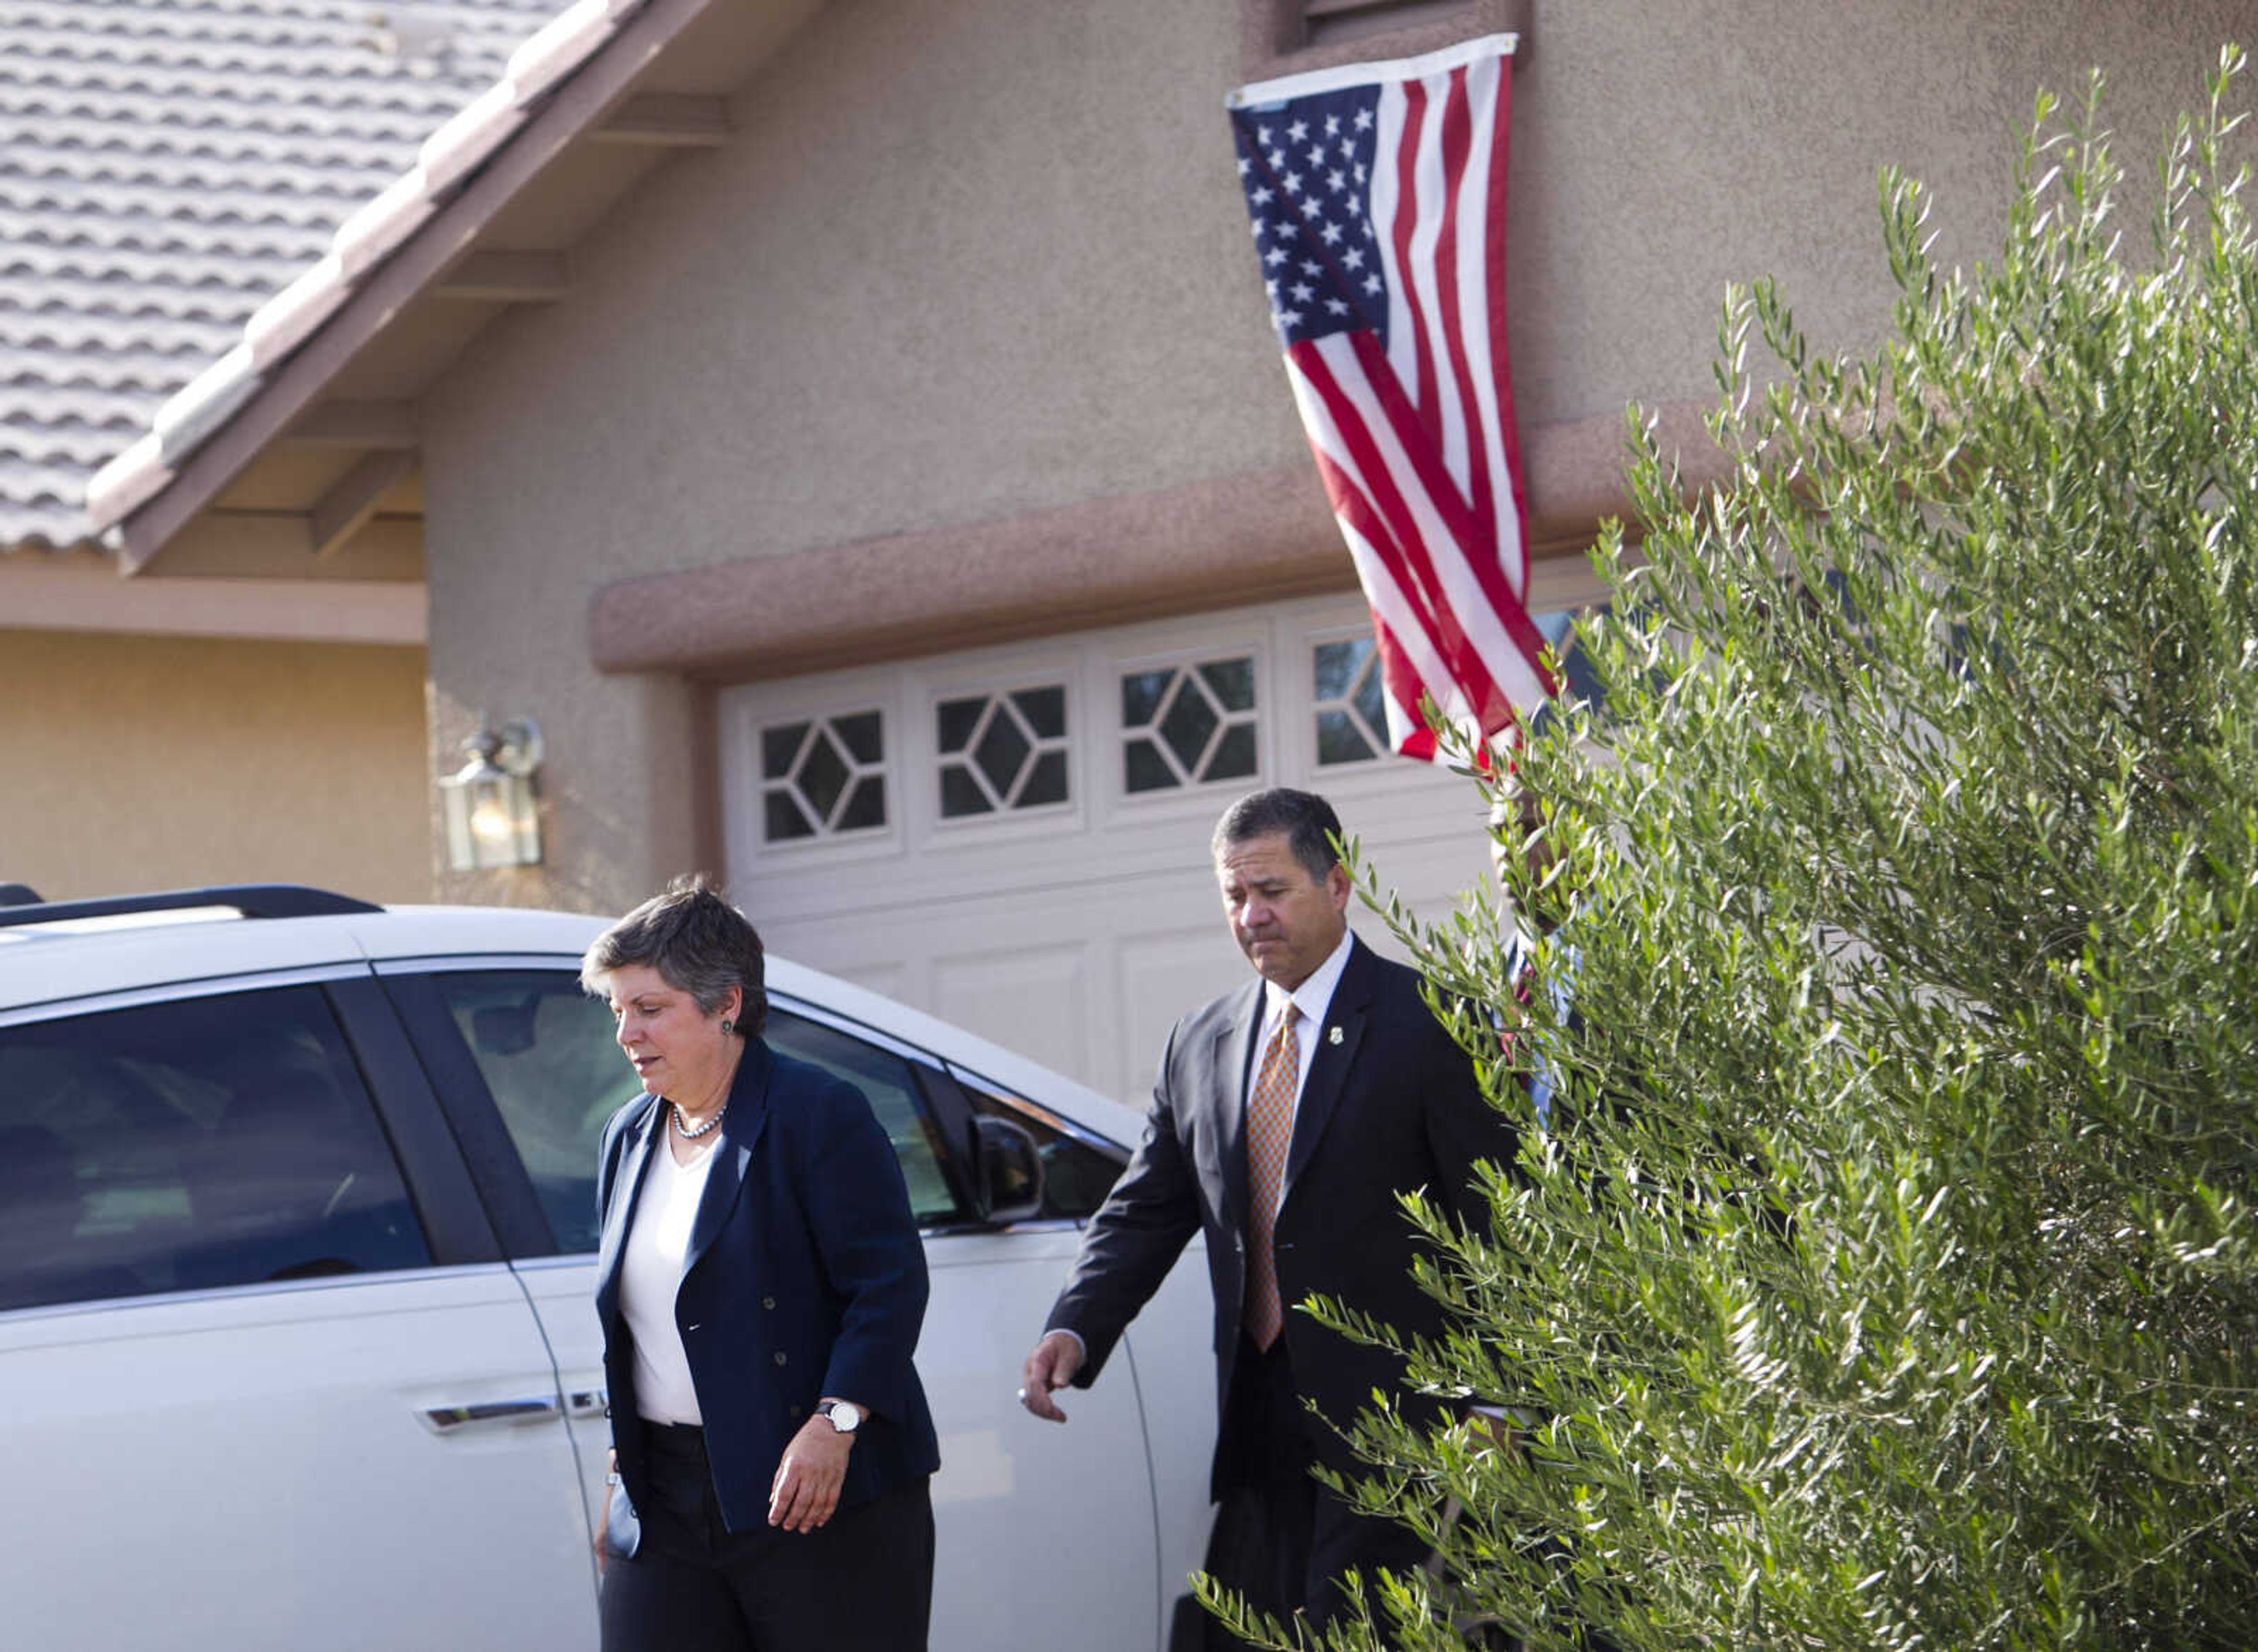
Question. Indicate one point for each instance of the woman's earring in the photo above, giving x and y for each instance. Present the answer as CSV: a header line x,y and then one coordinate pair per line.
x,y
728,1025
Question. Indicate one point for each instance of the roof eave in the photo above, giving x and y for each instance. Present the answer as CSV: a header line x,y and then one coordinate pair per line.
x,y
206,437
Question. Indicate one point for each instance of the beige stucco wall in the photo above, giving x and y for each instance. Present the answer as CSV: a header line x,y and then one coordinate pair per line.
x,y
139,762
969,258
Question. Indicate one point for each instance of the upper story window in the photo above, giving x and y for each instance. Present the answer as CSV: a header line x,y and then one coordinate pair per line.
x,y
1334,22
1186,725
1287,37
823,776
1002,752
1345,695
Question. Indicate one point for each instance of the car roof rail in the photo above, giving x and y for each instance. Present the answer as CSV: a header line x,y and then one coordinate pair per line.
x,y
18,894
252,900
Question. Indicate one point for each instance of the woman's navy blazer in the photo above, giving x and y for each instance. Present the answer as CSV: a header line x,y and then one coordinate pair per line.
x,y
805,1277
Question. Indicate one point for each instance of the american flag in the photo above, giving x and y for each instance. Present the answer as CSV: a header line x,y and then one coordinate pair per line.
x,y
1377,195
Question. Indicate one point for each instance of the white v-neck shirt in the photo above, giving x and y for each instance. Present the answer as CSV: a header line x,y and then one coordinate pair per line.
x,y
650,1273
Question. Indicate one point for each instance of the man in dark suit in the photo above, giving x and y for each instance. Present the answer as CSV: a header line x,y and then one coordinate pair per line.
x,y
1288,1117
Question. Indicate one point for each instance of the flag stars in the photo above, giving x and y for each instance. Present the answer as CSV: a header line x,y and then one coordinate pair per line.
x,y
1274,257
1335,181
1348,149
1311,267
1312,207
1331,234
1333,125
1261,134
1354,259
1364,120
1264,194
1291,183
1290,318
1246,166
1338,307
1317,155
1372,285
1277,158
1302,291
1297,131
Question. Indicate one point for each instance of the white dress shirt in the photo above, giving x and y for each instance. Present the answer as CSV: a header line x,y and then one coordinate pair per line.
x,y
650,1274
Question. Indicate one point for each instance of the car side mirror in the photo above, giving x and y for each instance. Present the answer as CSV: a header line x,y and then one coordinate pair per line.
x,y
1010,1173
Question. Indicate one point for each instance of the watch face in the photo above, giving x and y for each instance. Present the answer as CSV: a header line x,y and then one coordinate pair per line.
x,y
846,1416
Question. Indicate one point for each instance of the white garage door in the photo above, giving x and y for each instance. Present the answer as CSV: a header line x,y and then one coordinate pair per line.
x,y
1016,839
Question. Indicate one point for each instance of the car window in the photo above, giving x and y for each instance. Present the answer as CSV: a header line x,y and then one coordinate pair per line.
x,y
1076,1175
887,1081
211,1141
546,1051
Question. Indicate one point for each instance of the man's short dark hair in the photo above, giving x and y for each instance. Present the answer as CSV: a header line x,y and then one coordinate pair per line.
x,y
1306,819
698,942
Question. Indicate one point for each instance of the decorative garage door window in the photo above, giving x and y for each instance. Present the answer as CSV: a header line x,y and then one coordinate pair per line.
x,y
823,776
1002,752
1346,693
1187,724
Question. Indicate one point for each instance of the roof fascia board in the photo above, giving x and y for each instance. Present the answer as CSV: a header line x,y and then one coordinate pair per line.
x,y
84,594
417,264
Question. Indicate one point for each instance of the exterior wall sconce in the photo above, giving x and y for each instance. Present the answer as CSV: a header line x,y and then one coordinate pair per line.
x,y
492,819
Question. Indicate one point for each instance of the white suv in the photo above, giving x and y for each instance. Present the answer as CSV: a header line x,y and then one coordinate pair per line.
x,y
297,1223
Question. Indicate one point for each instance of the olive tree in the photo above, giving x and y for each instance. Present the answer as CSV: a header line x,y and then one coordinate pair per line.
x,y
1882,1272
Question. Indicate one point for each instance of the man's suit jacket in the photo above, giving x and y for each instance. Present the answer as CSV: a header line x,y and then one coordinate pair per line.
x,y
805,1277
1390,1105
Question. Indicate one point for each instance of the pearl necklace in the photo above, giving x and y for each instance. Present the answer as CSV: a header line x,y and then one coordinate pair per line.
x,y
705,1129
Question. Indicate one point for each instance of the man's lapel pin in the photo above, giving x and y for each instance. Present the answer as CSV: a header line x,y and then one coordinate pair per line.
x,y
1333,1037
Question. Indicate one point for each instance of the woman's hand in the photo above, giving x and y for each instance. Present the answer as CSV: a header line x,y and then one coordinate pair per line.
x,y
807,1482
604,1508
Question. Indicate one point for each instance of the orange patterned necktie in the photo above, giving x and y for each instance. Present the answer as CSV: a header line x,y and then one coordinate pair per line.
x,y
1269,1131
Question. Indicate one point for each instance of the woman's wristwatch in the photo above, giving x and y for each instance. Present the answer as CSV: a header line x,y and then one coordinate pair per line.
x,y
846,1416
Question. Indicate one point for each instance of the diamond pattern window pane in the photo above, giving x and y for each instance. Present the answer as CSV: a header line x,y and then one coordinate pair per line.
x,y
1046,781
1352,716
954,722
1339,740
961,795
782,820
823,775
866,806
1234,755
1045,709
779,746
1001,751
860,735
1233,683
1184,725
1191,722
1141,694
1145,769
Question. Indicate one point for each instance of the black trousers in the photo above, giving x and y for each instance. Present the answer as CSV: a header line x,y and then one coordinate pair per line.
x,y
1280,1538
861,1583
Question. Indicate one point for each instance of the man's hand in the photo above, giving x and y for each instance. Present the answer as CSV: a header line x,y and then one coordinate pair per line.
x,y
1052,1365
807,1481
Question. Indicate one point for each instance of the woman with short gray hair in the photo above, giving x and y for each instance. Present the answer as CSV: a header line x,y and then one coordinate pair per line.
x,y
761,1284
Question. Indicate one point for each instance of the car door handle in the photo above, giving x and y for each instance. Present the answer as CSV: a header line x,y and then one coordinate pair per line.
x,y
587,1402
490,1414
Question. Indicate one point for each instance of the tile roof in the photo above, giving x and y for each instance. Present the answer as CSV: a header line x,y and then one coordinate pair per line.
x,y
166,167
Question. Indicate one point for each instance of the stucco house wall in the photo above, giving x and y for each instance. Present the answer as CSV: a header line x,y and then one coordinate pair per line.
x,y
140,762
967,259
